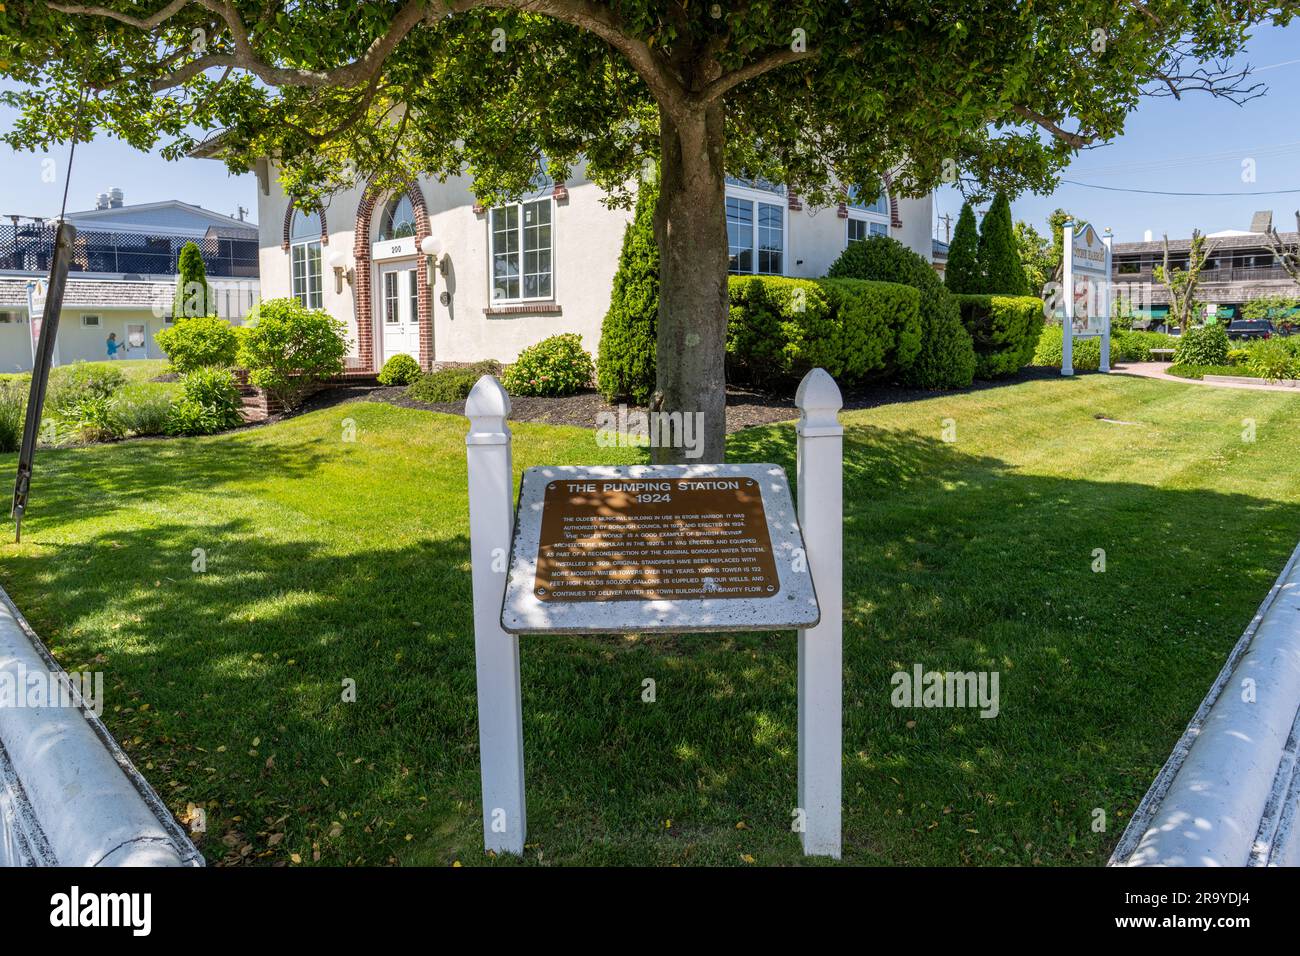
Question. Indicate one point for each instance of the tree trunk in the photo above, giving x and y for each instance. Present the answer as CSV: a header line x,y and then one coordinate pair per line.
x,y
691,231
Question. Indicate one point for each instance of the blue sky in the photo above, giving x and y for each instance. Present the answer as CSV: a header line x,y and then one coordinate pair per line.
x,y
1196,145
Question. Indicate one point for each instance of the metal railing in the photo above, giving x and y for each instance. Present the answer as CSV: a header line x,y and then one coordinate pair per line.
x,y
28,248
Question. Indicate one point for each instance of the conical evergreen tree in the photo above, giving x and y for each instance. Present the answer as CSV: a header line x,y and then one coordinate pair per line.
x,y
193,294
962,274
625,363
999,258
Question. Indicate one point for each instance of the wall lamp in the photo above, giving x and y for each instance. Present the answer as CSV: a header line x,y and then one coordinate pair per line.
x,y
431,246
339,263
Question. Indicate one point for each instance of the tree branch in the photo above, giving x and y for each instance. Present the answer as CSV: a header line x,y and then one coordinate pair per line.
x,y
766,63
1076,140
140,23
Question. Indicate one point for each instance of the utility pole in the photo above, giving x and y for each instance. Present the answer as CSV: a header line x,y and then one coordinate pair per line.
x,y
946,219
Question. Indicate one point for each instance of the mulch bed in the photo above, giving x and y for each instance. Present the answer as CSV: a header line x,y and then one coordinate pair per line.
x,y
746,408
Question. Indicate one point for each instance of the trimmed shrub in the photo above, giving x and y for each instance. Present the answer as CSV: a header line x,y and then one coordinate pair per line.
x,y
625,360
1005,331
198,342
1130,346
194,298
778,329
1086,355
945,357
999,254
209,403
1205,345
13,406
291,348
962,274
144,407
553,367
450,384
73,385
400,369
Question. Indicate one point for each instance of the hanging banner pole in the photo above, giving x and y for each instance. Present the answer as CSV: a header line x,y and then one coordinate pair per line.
x,y
65,237
1067,315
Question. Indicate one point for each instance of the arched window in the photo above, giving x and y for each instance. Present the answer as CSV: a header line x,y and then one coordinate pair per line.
x,y
304,257
867,218
398,220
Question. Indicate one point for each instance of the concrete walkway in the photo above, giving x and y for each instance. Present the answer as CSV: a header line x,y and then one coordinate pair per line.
x,y
1160,370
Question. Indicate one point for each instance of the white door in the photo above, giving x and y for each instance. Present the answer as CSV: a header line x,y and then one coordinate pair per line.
x,y
399,312
134,345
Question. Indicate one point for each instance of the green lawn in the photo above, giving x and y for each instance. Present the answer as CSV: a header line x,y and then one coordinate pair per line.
x,y
135,370
329,560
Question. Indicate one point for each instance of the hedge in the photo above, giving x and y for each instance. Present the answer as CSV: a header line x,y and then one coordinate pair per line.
x,y
1125,346
945,357
778,329
1004,329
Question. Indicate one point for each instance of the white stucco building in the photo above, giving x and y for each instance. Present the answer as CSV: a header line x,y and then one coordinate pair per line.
x,y
122,276
511,276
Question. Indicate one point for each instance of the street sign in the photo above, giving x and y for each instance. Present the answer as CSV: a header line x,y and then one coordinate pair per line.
x,y
657,548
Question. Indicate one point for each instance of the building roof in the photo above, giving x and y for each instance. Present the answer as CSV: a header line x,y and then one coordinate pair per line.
x,y
96,293
173,214
1252,240
938,248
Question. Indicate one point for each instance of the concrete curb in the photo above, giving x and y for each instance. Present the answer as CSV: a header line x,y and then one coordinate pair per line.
x,y
69,795
1227,794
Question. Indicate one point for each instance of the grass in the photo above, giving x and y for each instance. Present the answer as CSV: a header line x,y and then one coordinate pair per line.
x,y
329,560
1200,371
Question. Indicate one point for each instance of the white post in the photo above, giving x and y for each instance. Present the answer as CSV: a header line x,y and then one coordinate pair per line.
x,y
1067,313
1107,305
496,653
821,648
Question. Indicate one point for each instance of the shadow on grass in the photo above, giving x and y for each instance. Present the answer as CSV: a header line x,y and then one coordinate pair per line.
x,y
953,561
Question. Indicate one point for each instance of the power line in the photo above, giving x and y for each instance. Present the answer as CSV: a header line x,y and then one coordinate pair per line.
x,y
1163,192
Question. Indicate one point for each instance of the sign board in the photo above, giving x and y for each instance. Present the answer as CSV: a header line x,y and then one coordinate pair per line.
x,y
393,249
657,548
1087,286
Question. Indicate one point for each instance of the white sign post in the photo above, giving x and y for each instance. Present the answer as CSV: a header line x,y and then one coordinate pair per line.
x,y
1086,291
526,601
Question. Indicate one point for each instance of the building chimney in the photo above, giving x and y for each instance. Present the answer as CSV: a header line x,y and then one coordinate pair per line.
x,y
1262,221
101,201
115,198
1146,236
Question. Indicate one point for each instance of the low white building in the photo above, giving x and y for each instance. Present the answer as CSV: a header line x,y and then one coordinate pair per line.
x,y
122,276
511,276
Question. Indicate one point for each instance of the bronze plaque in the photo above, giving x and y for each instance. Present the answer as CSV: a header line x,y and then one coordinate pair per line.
x,y
654,539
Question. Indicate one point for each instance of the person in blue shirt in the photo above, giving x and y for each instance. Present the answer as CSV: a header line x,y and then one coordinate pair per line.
x,y
112,345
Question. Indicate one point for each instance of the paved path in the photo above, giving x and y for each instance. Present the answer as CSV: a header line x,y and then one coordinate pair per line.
x,y
1160,370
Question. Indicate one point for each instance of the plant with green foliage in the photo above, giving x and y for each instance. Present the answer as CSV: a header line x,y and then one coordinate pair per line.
x,y
1036,257
1004,329
944,356
339,92
1281,310
209,403
289,348
203,340
400,369
999,254
1203,345
193,298
553,367
1181,284
94,419
13,406
625,359
143,408
962,273
782,328
71,385
1274,361
451,384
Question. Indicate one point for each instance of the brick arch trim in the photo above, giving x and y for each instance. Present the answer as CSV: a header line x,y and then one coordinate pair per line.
x,y
288,224
894,219
362,291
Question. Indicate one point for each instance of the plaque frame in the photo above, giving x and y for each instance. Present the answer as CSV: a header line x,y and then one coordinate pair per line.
x,y
793,606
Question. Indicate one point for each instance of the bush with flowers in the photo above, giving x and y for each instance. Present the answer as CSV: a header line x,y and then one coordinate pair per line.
x,y
553,367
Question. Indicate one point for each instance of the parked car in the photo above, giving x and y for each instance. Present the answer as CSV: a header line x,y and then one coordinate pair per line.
x,y
1251,329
